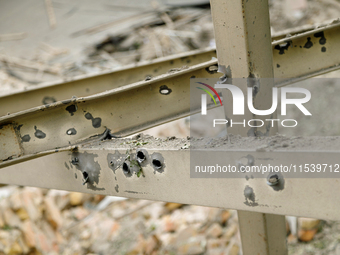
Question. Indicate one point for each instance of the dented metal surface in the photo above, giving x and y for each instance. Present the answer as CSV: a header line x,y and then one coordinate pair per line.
x,y
293,65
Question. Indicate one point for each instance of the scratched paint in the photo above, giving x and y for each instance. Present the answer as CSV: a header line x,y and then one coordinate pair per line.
x,y
308,44
26,138
38,133
72,109
88,166
96,122
250,197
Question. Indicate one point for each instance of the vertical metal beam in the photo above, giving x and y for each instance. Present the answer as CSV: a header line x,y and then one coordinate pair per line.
x,y
242,33
262,233
243,44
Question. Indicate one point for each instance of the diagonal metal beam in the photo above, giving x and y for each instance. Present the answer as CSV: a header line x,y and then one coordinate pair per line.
x,y
291,62
120,112
87,85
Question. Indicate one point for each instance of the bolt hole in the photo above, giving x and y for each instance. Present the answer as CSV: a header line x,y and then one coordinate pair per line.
x,y
157,163
126,168
140,156
164,90
111,163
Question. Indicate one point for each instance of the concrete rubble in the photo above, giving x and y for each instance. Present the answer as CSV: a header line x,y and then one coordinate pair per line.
x,y
40,221
37,221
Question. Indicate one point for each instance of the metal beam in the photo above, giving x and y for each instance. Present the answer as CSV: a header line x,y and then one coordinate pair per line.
x,y
243,44
307,54
119,112
288,67
86,85
174,183
288,63
246,54
261,225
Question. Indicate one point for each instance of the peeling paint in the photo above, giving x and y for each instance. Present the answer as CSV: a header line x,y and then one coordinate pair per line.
x,y
308,44
115,160
282,47
321,34
18,127
72,109
250,197
96,122
87,165
25,138
225,70
39,134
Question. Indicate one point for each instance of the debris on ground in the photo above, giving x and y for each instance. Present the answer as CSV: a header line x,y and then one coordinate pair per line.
x,y
39,221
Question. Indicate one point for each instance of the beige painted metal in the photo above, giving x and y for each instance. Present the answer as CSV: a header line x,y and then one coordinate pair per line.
x,y
243,44
291,64
267,228
9,145
175,185
87,85
138,106
302,32
308,55
124,111
292,68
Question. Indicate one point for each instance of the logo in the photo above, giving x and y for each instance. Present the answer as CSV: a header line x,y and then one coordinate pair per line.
x,y
238,103
204,97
